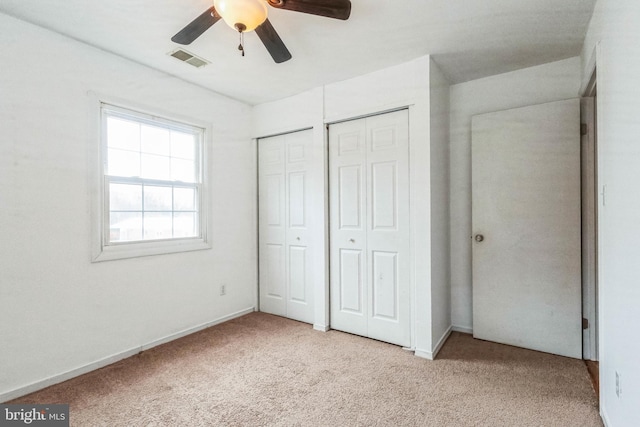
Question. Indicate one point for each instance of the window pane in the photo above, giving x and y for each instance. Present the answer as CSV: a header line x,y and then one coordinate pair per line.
x,y
154,140
157,198
184,224
123,163
123,134
125,197
157,225
183,145
145,157
155,167
125,226
183,170
184,199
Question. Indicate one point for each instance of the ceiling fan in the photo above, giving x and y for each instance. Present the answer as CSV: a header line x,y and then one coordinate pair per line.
x,y
249,15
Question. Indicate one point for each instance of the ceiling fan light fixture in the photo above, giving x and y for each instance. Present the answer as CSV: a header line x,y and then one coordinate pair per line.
x,y
242,15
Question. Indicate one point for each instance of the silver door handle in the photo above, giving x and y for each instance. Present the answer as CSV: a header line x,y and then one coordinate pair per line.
x,y
479,238
297,238
352,240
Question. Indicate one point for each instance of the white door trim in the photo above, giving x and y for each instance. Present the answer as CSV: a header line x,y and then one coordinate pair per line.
x,y
589,222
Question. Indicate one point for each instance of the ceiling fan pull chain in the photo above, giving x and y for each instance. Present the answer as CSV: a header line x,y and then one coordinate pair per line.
x,y
241,45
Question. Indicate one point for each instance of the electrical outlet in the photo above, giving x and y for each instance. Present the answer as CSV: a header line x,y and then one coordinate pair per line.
x,y
618,385
223,289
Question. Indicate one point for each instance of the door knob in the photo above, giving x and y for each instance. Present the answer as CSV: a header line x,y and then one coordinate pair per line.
x,y
297,238
352,240
479,238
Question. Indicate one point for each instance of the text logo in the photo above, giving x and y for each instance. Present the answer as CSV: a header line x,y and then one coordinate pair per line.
x,y
34,415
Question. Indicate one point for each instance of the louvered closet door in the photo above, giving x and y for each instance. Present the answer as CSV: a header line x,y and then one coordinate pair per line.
x,y
369,214
284,226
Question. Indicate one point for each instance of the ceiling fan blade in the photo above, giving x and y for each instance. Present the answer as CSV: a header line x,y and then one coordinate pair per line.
x,y
338,9
273,42
198,26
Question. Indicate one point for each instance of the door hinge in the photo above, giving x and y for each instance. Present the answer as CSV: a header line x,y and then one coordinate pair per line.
x,y
584,129
585,323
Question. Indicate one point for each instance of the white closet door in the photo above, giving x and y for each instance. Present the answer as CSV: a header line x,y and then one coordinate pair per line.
x,y
284,233
348,232
272,225
388,227
369,251
298,235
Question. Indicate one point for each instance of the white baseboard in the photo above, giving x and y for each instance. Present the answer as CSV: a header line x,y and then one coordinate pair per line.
x,y
441,341
603,415
47,382
431,355
463,329
321,328
424,354
197,328
101,363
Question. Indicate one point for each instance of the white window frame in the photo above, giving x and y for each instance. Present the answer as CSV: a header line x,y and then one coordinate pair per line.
x,y
102,249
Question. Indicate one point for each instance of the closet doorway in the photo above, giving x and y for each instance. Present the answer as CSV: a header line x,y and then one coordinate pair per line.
x,y
370,228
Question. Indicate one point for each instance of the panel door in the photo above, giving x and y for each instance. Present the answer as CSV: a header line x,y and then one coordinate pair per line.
x,y
286,285
388,227
526,220
298,237
349,292
369,248
272,225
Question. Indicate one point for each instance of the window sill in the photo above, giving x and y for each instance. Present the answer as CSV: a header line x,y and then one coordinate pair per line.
x,y
135,250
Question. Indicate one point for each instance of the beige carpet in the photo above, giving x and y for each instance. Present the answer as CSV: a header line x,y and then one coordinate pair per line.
x,y
266,370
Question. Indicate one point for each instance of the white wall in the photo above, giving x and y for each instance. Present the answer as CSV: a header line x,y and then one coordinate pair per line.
x,y
613,38
59,312
405,85
440,217
536,85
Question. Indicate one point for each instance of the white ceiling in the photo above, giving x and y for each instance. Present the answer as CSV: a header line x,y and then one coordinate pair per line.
x,y
469,39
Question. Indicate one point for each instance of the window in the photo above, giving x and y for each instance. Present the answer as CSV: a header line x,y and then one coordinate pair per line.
x,y
152,177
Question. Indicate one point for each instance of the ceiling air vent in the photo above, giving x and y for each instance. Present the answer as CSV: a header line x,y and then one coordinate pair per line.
x,y
189,58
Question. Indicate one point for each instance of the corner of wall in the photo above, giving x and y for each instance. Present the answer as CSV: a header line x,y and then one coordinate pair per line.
x,y
431,355
440,200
